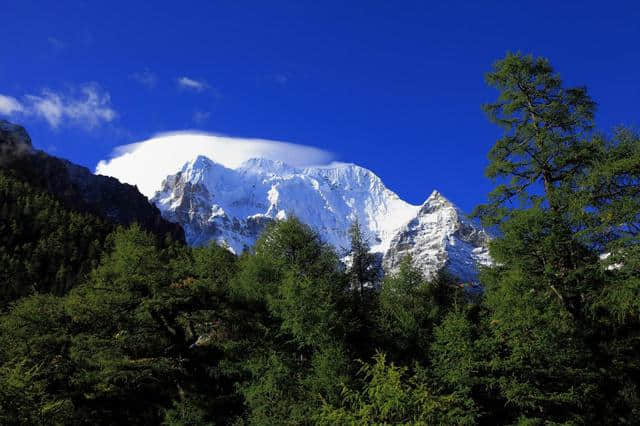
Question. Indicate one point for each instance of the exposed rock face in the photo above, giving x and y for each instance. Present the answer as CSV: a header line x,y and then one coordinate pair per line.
x,y
440,237
14,142
76,187
233,206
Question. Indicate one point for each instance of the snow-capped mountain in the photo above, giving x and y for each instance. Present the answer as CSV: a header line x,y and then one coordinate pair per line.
x,y
232,207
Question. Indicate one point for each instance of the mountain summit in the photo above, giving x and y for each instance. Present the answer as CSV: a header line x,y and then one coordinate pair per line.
x,y
232,207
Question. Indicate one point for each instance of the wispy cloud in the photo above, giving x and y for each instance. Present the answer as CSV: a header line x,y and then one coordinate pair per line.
x,y
87,106
192,84
200,117
56,43
10,105
146,78
281,78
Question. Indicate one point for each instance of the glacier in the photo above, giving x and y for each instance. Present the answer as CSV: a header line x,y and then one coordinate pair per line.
x,y
231,206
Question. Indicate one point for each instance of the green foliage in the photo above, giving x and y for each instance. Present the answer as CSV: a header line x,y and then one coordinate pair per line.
x,y
43,247
298,283
537,354
456,359
390,396
215,264
560,333
363,272
34,336
24,398
545,132
410,307
185,413
606,212
131,339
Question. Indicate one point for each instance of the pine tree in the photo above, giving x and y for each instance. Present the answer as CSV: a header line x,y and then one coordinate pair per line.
x,y
549,350
410,307
363,272
546,129
299,291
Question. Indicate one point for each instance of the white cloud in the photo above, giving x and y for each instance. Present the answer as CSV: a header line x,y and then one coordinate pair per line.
x,y
147,163
191,84
87,107
146,78
48,106
10,105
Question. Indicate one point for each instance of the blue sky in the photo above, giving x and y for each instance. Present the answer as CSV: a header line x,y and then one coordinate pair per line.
x,y
396,87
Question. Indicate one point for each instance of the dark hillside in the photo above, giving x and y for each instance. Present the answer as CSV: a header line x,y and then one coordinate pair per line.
x,y
76,187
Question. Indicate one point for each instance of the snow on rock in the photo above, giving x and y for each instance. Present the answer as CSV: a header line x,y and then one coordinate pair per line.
x,y
232,207
438,237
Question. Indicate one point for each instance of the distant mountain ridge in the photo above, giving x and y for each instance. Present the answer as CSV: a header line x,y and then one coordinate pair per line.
x,y
77,187
232,206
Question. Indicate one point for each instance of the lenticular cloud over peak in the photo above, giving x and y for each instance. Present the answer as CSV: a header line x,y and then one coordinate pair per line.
x,y
147,163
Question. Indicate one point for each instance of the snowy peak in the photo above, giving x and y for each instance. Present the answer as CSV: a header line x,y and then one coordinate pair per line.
x,y
436,201
440,237
201,162
199,169
348,176
265,166
232,207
